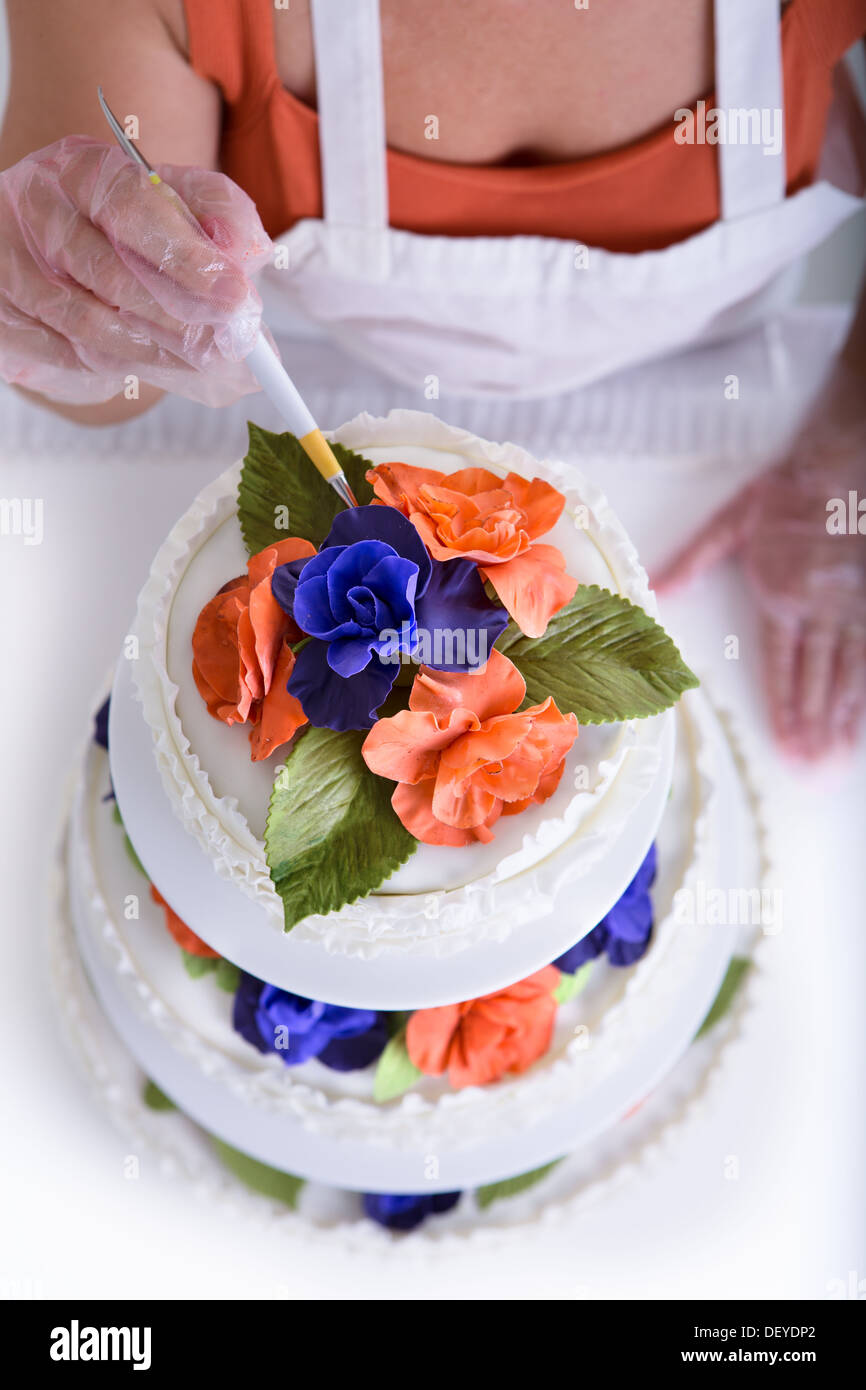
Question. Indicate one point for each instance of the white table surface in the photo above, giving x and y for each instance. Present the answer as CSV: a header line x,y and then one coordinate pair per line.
x,y
790,1110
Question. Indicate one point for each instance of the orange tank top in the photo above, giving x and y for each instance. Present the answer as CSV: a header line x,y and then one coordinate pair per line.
x,y
646,195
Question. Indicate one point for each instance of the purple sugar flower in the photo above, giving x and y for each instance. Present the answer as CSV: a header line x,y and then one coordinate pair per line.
x,y
625,932
370,598
297,1029
100,724
404,1211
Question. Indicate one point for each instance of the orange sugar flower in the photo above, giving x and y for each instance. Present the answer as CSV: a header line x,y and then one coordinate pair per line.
x,y
180,931
481,1040
218,665
474,515
242,659
463,758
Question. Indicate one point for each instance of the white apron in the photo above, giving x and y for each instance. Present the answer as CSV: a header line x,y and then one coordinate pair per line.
x,y
517,317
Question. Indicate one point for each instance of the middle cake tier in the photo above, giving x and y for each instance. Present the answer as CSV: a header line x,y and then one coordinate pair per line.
x,y
618,1013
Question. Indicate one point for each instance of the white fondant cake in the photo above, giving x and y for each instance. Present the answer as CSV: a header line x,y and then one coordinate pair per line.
x,y
440,936
221,796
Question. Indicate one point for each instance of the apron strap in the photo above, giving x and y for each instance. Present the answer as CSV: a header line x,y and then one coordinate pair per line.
x,y
350,99
749,81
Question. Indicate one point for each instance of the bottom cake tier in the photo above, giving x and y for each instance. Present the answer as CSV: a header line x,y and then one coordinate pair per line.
x,y
632,1026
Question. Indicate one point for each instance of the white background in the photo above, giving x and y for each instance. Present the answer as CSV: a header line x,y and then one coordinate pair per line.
x,y
791,1106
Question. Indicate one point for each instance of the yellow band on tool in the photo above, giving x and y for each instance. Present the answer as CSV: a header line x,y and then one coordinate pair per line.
x,y
316,447
154,178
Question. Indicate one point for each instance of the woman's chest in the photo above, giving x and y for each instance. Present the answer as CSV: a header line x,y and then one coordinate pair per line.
x,y
498,81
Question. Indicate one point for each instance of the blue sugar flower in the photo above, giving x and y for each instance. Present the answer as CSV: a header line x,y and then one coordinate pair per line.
x,y
404,1211
297,1028
625,932
370,597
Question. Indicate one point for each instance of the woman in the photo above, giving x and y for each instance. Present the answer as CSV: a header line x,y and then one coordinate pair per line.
x,y
541,219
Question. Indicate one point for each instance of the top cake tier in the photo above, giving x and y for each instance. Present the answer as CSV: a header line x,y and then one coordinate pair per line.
x,y
441,910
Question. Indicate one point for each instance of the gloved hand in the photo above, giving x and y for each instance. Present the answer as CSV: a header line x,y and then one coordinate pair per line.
x,y
808,575
103,275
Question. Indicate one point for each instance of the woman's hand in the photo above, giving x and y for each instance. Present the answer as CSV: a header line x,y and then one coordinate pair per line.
x,y
796,533
106,280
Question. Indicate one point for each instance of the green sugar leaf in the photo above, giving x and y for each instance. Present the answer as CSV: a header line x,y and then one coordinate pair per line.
x,y
196,966
570,985
282,494
601,658
270,1182
395,1072
396,1022
332,835
509,1187
734,975
130,850
156,1099
127,843
227,976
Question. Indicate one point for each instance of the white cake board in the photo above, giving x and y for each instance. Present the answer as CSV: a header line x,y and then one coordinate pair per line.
x,y
222,915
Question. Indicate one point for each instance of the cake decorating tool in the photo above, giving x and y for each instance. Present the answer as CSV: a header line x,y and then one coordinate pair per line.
x,y
263,362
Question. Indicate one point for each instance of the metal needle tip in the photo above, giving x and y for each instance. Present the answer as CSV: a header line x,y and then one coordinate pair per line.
x,y
340,484
120,134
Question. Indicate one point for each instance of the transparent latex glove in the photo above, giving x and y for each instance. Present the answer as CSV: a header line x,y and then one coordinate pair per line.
x,y
806,563
103,276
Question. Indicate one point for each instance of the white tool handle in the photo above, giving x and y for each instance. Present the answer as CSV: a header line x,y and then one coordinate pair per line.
x,y
279,388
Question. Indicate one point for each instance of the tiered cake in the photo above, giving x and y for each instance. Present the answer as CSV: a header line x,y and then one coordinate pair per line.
x,y
378,879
